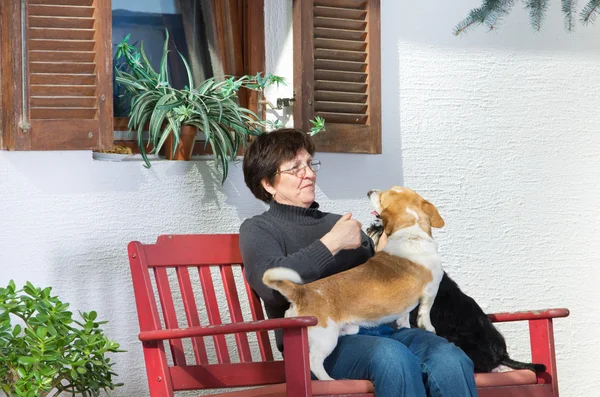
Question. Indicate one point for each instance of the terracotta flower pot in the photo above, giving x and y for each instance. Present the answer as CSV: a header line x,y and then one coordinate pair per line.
x,y
183,151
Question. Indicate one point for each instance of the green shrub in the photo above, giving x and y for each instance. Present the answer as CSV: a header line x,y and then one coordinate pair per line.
x,y
43,350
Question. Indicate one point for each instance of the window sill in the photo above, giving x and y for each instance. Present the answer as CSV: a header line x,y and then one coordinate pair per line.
x,y
114,157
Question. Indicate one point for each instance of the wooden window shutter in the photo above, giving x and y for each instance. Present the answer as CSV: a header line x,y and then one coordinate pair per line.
x,y
337,73
68,88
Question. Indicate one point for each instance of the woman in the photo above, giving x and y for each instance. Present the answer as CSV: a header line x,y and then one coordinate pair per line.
x,y
280,170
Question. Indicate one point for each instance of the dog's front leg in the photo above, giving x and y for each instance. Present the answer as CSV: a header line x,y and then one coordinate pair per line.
x,y
423,316
404,322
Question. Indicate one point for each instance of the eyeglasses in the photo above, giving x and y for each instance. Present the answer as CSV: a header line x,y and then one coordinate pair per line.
x,y
299,171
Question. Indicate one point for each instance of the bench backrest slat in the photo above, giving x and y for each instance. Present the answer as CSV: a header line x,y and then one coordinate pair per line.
x,y
235,312
264,343
191,312
169,314
212,310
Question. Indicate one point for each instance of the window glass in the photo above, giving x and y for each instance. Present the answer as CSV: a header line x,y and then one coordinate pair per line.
x,y
146,21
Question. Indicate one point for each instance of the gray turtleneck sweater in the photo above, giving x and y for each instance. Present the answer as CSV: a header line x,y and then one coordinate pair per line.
x,y
289,236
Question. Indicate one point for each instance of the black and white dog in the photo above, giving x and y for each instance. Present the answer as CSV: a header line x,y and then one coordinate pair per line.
x,y
458,318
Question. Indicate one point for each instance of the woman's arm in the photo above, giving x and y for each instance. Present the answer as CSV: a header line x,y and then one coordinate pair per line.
x,y
262,248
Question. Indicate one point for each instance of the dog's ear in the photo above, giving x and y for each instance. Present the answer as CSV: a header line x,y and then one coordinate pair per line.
x,y
391,221
386,220
434,216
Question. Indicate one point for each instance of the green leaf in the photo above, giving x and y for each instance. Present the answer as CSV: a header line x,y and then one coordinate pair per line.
x,y
26,360
41,332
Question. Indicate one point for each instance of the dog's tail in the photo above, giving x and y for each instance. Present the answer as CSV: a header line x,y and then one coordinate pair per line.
x,y
284,280
509,362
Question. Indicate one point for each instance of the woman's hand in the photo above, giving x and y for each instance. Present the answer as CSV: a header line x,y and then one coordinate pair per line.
x,y
345,234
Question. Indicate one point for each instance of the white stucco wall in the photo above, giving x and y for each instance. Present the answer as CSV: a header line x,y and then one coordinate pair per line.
x,y
499,130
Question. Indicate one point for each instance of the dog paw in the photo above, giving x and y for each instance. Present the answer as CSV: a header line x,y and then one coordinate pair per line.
x,y
375,230
426,325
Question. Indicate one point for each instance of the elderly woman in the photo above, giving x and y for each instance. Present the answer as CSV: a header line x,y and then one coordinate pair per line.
x,y
280,170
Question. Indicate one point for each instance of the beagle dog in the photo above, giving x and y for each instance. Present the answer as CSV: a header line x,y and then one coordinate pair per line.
x,y
405,274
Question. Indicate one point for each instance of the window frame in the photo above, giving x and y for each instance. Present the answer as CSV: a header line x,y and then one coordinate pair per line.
x,y
253,55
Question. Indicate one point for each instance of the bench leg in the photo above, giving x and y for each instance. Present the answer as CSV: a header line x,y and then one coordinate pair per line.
x,y
297,367
541,333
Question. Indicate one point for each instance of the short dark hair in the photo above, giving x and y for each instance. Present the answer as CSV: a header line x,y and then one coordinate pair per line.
x,y
267,152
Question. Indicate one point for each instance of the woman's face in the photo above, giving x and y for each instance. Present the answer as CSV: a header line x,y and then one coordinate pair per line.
x,y
295,182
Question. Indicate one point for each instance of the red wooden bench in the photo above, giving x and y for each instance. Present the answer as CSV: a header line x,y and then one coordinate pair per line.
x,y
182,278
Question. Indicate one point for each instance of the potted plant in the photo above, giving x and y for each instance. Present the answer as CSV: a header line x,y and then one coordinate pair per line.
x,y
210,107
44,350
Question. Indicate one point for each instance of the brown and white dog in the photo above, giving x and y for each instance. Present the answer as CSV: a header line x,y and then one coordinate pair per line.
x,y
404,274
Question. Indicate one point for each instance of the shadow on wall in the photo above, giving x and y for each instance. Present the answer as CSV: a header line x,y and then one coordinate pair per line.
x,y
348,176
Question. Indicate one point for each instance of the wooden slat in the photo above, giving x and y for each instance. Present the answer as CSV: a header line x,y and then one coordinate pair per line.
x,y
60,22
256,310
332,75
62,67
61,11
170,316
340,107
341,3
340,55
61,45
342,118
340,65
81,3
191,312
62,90
61,56
340,86
346,45
45,22
335,96
64,135
235,312
343,13
217,375
62,79
63,113
337,23
70,102
212,310
220,249
61,34
340,34
348,137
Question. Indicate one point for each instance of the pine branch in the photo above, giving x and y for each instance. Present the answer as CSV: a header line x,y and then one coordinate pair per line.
x,y
537,11
568,8
475,18
502,9
590,11
490,13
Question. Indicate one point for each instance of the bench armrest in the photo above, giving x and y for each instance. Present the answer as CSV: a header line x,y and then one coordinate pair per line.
x,y
541,338
210,330
528,315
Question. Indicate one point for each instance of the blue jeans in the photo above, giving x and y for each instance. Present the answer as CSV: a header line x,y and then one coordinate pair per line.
x,y
409,362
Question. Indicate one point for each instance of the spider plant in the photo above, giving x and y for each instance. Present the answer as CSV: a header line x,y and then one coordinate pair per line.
x,y
211,106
